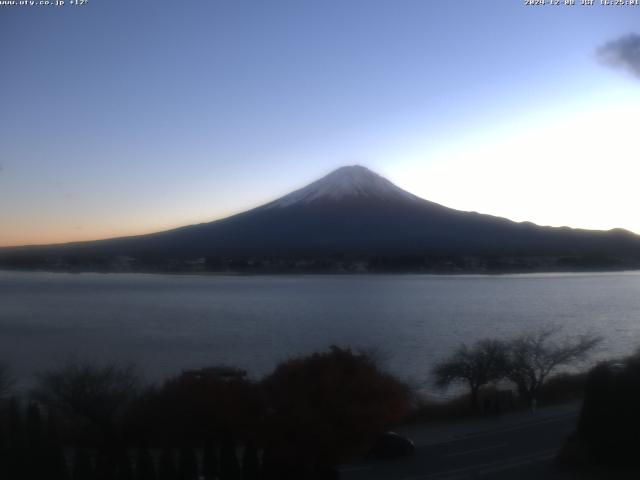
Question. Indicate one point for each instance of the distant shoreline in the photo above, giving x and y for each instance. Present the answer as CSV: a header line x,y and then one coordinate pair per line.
x,y
469,273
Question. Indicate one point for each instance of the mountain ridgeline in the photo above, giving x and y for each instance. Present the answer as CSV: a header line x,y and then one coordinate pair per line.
x,y
349,220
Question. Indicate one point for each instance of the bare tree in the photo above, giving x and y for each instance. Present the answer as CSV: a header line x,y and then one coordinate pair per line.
x,y
534,356
478,365
96,393
6,380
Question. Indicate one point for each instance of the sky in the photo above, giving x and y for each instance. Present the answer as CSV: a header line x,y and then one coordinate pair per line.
x,y
120,117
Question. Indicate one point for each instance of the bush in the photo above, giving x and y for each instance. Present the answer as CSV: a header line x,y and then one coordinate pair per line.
x,y
609,424
562,388
195,406
327,407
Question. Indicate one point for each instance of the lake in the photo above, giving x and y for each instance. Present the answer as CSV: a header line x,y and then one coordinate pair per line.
x,y
166,323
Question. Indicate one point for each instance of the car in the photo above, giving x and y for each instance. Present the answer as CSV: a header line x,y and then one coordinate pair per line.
x,y
392,445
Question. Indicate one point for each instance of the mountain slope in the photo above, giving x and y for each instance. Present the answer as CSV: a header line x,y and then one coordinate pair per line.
x,y
353,211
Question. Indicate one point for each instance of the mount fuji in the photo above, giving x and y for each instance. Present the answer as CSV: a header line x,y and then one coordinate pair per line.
x,y
346,183
350,213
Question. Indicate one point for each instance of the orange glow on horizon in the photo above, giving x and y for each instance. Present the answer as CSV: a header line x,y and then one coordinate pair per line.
x,y
33,234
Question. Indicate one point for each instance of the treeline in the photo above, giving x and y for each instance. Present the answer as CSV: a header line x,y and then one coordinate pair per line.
x,y
84,421
103,423
338,263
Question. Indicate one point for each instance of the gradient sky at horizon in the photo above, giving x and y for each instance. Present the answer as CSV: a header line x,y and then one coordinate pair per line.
x,y
124,117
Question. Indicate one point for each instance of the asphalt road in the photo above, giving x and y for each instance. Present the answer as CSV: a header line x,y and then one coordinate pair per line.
x,y
522,449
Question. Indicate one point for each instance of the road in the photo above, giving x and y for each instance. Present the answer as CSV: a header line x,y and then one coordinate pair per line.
x,y
519,446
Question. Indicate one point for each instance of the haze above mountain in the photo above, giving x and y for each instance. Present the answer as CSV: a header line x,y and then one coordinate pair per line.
x,y
354,212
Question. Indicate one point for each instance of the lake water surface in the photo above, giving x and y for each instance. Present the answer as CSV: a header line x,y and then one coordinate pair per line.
x,y
166,323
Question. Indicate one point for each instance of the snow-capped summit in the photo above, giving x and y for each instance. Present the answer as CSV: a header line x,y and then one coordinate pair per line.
x,y
346,183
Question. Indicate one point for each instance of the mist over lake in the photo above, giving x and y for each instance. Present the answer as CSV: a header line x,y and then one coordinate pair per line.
x,y
166,323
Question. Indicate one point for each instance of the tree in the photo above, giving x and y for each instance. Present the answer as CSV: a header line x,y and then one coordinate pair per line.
x,y
98,394
196,405
35,428
167,467
532,357
124,467
4,457
229,467
145,468
327,407
16,452
56,464
6,380
250,462
187,464
609,421
82,468
105,468
37,452
210,460
478,365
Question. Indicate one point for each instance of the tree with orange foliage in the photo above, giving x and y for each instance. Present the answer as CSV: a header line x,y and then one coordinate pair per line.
x,y
328,407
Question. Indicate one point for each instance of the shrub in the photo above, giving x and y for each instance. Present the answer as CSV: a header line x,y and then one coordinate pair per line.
x,y
609,424
326,407
196,406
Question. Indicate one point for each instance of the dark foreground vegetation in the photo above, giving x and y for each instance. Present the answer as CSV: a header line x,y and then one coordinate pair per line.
x,y
608,430
84,421
607,435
